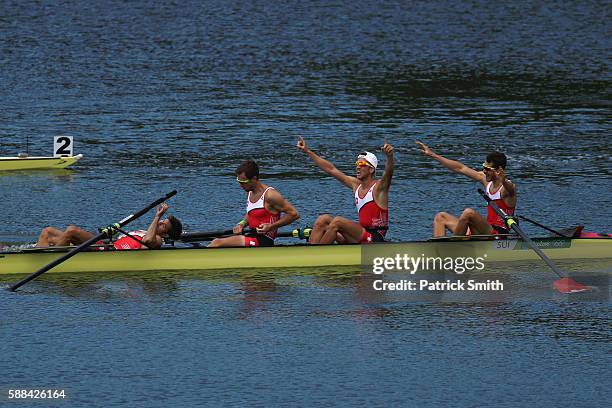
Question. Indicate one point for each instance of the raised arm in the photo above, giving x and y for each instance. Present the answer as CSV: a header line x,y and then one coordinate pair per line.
x,y
385,181
328,167
509,191
151,239
453,165
278,203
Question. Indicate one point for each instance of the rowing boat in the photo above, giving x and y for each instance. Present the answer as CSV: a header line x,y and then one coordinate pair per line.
x,y
185,257
37,162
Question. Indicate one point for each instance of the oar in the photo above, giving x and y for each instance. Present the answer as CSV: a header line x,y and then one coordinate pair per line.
x,y
204,235
537,224
104,233
301,233
563,285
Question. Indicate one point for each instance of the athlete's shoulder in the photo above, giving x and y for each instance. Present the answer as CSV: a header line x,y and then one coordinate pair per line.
x,y
512,185
380,187
273,194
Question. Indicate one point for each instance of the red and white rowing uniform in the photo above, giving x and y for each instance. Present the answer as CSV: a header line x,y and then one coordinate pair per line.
x,y
125,242
258,214
494,220
372,217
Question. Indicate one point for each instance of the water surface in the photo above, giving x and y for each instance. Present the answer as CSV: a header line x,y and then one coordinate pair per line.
x,y
174,95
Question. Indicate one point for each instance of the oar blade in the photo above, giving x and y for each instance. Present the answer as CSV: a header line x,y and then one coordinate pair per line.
x,y
568,285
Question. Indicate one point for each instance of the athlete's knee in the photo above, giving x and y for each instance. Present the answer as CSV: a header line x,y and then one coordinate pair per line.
x,y
441,217
45,232
468,214
336,222
322,221
71,231
215,243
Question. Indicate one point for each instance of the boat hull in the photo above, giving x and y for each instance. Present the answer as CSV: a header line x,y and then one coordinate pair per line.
x,y
37,163
290,256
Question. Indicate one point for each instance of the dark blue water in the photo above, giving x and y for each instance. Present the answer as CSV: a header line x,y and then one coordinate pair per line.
x,y
174,95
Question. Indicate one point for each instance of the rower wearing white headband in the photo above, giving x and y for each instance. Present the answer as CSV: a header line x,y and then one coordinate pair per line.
x,y
371,200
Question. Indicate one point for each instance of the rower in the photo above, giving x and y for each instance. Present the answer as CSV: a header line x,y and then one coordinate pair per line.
x,y
371,199
152,238
263,211
501,190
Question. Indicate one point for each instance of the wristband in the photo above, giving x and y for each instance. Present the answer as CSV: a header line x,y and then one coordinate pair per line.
x,y
242,222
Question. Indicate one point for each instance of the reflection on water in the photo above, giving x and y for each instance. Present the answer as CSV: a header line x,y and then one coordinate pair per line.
x,y
38,175
308,321
518,281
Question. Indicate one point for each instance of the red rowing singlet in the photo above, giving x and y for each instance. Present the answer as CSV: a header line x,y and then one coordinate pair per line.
x,y
125,242
258,214
371,215
492,217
